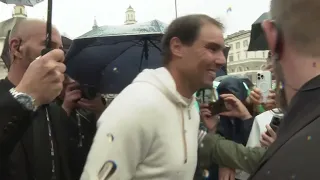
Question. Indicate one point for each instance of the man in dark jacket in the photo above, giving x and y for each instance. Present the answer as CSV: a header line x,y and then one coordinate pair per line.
x,y
83,112
294,40
32,138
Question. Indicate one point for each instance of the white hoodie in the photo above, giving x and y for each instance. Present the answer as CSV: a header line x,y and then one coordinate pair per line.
x,y
149,130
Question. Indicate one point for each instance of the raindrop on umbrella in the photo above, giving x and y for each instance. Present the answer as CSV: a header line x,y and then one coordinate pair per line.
x,y
115,69
110,137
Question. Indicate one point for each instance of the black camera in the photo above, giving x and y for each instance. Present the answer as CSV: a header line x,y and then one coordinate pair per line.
x,y
88,92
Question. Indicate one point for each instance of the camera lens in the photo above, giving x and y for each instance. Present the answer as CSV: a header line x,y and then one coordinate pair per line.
x,y
261,76
258,78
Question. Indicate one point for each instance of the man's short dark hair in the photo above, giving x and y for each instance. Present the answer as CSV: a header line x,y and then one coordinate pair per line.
x,y
187,29
300,24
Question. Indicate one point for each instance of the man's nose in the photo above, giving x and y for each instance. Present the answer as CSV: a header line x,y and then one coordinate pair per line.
x,y
221,60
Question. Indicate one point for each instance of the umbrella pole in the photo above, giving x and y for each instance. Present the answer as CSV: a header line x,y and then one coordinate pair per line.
x,y
49,25
145,53
176,9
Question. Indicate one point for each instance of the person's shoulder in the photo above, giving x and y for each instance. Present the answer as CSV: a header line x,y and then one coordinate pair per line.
x,y
142,95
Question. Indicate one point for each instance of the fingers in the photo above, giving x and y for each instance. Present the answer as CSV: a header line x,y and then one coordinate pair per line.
x,y
204,105
232,176
205,113
227,96
74,95
72,87
255,96
266,139
55,55
271,132
264,143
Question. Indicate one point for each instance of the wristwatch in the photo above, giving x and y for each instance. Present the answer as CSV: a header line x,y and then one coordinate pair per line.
x,y
24,99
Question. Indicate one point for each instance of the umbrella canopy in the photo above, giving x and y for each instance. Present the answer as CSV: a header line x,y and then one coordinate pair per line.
x,y
22,2
110,57
5,54
257,39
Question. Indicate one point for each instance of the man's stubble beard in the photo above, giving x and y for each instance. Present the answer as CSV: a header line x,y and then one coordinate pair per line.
x,y
280,85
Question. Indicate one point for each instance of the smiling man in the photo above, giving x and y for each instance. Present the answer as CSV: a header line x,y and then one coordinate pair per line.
x,y
150,130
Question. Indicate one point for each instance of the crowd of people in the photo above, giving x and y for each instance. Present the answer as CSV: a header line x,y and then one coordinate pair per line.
x,y
159,127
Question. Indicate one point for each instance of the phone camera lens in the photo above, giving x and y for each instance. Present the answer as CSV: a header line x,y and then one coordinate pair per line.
x,y
258,78
261,76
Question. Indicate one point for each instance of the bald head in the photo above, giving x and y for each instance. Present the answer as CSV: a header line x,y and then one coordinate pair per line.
x,y
299,20
27,40
29,27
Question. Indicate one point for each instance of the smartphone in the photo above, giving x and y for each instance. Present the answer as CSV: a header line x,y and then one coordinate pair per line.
x,y
217,107
88,92
264,83
274,124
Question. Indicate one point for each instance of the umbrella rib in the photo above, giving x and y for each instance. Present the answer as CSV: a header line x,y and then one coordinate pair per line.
x,y
118,56
155,45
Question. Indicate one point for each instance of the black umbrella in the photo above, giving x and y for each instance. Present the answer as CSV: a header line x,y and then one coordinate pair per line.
x,y
5,55
257,40
110,57
22,2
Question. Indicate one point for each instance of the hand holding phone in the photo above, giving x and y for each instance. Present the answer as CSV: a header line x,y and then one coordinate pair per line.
x,y
264,83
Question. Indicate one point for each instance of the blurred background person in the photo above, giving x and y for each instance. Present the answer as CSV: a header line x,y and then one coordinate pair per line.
x,y
82,114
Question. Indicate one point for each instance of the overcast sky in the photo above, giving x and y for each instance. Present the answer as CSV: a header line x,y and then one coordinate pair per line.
x,y
75,17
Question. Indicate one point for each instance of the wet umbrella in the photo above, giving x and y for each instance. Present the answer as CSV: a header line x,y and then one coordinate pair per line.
x,y
22,2
5,54
257,40
110,57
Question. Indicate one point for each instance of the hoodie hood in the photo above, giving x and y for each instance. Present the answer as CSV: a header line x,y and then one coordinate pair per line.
x,y
162,80
234,86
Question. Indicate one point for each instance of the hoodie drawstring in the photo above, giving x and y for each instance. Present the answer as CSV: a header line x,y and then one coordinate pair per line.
x,y
185,152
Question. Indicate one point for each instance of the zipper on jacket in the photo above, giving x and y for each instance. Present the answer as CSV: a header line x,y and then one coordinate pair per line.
x,y
185,152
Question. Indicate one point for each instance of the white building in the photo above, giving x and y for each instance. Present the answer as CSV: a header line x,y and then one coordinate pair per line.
x,y
243,62
130,16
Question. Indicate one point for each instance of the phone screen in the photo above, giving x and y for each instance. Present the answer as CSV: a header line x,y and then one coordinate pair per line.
x,y
217,107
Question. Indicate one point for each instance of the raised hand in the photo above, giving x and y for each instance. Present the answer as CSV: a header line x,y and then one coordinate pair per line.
x,y
43,80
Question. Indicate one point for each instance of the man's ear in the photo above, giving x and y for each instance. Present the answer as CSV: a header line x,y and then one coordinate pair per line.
x,y
271,34
176,47
14,47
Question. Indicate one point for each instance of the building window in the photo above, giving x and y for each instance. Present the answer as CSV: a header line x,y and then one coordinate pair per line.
x,y
240,69
20,11
238,45
230,46
230,58
247,68
245,43
232,70
238,56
